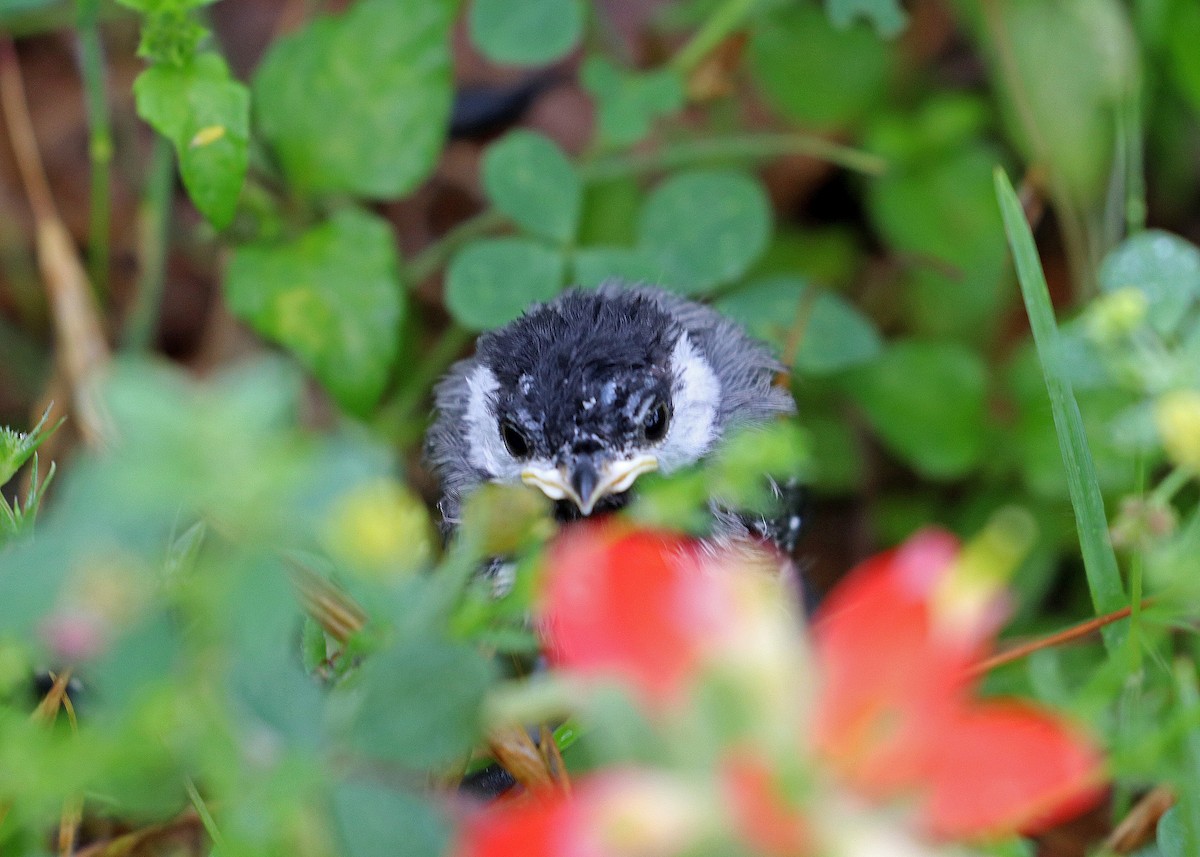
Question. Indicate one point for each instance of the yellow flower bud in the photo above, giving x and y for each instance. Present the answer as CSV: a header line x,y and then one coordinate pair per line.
x,y
380,529
1177,415
1116,314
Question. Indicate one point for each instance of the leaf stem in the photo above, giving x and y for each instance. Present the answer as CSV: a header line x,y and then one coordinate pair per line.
x,y
154,218
724,20
100,142
1099,560
1166,490
1075,632
1129,128
426,263
79,333
403,406
210,825
746,147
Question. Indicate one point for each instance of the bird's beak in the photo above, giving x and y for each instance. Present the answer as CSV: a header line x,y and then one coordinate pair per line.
x,y
584,482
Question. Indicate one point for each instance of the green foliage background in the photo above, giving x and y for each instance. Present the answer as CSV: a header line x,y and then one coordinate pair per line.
x,y
922,397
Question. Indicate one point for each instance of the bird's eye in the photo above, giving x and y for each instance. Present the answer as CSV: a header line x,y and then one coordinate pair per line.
x,y
514,439
655,425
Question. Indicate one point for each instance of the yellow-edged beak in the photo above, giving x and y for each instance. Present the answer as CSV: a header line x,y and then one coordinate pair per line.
x,y
584,484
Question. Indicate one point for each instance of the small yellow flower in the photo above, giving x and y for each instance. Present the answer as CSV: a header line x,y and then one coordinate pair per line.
x,y
1177,415
1117,314
380,529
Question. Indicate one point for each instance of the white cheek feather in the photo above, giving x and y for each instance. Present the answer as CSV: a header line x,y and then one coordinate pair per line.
x,y
695,394
487,450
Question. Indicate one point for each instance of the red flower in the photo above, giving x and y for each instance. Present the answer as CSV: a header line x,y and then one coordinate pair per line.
x,y
619,813
633,605
765,818
896,642
893,715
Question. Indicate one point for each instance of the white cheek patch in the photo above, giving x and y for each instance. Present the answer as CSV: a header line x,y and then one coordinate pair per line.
x,y
486,449
695,394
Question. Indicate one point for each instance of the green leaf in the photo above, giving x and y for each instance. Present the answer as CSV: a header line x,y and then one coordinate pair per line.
x,y
837,459
529,178
926,402
16,447
170,37
831,334
1165,267
206,114
373,821
491,282
332,297
144,656
525,32
1171,836
1100,563
360,103
152,6
591,266
629,103
1184,828
1183,34
813,73
941,213
704,228
886,16
420,702
1061,71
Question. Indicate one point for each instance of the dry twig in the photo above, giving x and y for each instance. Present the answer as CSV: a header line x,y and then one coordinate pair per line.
x,y
82,351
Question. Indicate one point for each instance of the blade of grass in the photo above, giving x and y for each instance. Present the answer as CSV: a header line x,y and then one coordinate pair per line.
x,y
1189,785
1099,560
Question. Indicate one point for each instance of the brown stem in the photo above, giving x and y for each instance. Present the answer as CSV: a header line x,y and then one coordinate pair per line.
x,y
82,350
47,709
131,843
1139,826
1073,633
514,749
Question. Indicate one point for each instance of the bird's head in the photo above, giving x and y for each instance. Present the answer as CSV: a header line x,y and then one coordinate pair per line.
x,y
580,397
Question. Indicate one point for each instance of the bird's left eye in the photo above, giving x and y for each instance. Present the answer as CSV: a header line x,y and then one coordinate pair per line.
x,y
514,439
655,424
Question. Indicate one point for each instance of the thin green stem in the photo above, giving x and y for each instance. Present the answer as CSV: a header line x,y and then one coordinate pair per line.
x,y
154,217
402,409
1137,566
753,147
426,263
100,143
724,20
451,343
210,825
1170,486
1129,120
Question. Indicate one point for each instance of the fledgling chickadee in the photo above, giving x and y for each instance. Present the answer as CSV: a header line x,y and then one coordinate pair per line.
x,y
581,395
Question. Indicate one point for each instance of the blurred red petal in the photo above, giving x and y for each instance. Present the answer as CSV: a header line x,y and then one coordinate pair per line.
x,y
1005,767
889,680
636,605
763,818
622,812
549,826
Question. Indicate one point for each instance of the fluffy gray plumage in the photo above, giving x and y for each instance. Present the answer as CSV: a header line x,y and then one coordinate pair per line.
x,y
585,380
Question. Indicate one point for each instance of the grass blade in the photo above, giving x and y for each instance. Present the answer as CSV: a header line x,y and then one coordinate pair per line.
x,y
1100,563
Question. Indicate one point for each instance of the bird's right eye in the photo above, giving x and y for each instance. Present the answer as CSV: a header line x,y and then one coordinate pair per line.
x,y
514,439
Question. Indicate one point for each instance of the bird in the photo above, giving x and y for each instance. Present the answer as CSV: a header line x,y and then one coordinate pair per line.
x,y
582,394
